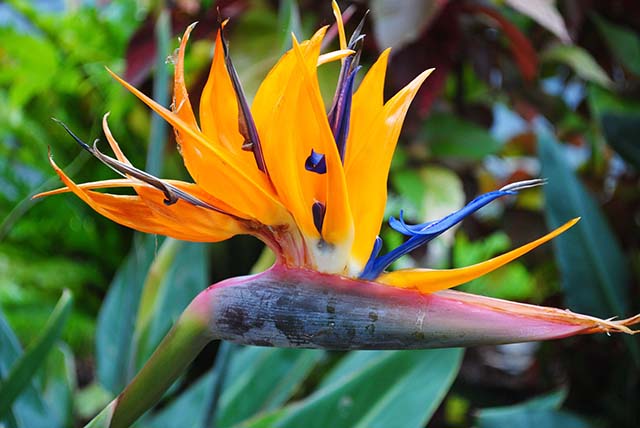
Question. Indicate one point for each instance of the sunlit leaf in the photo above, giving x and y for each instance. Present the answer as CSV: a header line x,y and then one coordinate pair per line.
x,y
545,13
397,24
580,61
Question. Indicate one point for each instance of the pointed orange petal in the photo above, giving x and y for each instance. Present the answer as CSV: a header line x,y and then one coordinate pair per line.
x,y
429,281
181,104
282,116
217,172
102,184
180,220
219,107
340,24
369,160
334,56
112,141
366,106
338,221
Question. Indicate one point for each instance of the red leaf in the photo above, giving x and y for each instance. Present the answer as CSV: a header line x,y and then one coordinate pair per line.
x,y
522,50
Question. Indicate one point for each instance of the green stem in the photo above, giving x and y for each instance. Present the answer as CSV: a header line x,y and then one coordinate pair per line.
x,y
176,351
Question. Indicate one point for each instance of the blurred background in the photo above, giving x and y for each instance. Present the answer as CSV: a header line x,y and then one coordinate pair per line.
x,y
522,89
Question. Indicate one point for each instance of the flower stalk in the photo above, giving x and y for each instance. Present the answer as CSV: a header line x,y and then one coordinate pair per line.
x,y
174,354
300,308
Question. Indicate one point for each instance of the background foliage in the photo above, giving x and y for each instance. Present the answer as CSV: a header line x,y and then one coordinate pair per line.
x,y
521,89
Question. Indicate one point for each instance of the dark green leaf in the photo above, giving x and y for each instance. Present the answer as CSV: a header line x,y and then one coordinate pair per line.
x,y
186,411
116,320
184,277
24,368
533,419
261,379
621,132
29,409
595,275
59,385
539,412
375,389
449,136
624,43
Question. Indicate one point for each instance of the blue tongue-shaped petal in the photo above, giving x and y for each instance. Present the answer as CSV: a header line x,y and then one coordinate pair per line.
x,y
420,234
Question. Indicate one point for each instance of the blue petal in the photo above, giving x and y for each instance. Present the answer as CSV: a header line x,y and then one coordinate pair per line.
x,y
340,115
318,210
316,162
420,234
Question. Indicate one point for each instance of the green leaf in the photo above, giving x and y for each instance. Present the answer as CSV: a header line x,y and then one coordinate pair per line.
x,y
595,274
621,132
511,282
624,43
184,275
289,19
580,61
24,368
262,379
539,412
186,411
375,389
60,384
448,136
29,409
116,320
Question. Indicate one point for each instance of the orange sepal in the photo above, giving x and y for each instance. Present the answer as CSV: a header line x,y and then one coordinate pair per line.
x,y
149,214
429,281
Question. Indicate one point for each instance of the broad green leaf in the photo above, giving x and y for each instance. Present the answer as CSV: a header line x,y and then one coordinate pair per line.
x,y
594,269
449,136
186,411
595,275
533,419
261,379
375,389
184,275
580,61
116,320
624,43
539,412
24,368
621,132
29,409
60,384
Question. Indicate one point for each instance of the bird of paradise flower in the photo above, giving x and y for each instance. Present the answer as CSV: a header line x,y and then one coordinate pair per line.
x,y
312,186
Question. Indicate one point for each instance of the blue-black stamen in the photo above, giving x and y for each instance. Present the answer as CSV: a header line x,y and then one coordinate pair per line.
x,y
316,162
340,111
318,209
246,124
420,234
172,194
342,114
